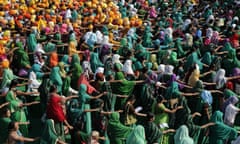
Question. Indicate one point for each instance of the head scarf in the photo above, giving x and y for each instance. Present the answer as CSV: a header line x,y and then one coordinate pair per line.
x,y
137,136
127,67
207,97
220,132
36,68
56,79
49,134
207,58
5,64
116,59
83,80
194,77
182,136
82,93
64,28
98,70
118,130
220,78
169,69
53,59
161,68
62,69
231,100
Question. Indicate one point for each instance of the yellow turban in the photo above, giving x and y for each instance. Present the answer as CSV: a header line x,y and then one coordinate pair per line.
x,y
5,63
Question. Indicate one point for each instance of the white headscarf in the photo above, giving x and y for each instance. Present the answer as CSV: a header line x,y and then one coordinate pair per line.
x,y
98,70
161,68
116,59
220,78
169,69
127,67
99,37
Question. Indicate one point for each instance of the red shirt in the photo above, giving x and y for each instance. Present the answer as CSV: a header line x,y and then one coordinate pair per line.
x,y
54,108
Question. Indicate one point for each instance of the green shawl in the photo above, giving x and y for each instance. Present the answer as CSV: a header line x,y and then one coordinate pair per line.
x,y
207,58
117,131
36,68
220,132
49,47
76,72
75,59
137,136
17,113
4,121
95,61
173,59
152,132
7,77
22,56
49,135
172,91
182,136
31,42
56,78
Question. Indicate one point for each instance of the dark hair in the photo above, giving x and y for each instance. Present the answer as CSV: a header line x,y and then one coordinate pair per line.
x,y
150,116
4,111
52,88
13,83
11,125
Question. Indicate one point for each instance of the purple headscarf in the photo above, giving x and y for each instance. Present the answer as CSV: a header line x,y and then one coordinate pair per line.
x,y
231,100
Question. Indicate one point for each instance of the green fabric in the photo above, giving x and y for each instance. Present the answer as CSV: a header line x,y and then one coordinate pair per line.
x,y
7,77
49,47
75,59
49,135
17,113
36,68
173,59
4,121
117,131
220,132
228,93
56,78
192,59
123,88
95,61
207,58
172,91
152,132
31,42
137,136
84,99
178,44
22,56
182,136
76,72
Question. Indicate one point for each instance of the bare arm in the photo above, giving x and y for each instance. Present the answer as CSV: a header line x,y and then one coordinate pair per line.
x,y
4,104
207,125
190,94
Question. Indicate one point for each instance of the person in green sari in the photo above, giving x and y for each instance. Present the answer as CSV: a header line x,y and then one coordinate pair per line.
x,y
182,136
84,99
17,107
4,121
56,79
49,135
137,136
220,132
117,132
76,72
31,42
124,87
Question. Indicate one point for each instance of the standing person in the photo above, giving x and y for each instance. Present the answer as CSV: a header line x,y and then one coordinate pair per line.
x,y
49,135
231,111
137,136
55,110
182,136
84,100
15,135
16,106
116,130
4,121
220,132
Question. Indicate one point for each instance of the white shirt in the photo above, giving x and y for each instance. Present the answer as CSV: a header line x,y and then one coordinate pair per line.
x,y
230,114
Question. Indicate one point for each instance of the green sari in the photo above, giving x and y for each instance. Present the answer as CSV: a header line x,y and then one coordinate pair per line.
x,y
7,77
137,136
220,132
56,78
152,132
49,135
117,132
31,42
76,72
4,121
17,113
124,87
182,136
84,99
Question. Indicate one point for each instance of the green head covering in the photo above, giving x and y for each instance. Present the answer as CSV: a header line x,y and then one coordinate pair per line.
x,y
49,135
82,93
137,136
138,65
23,59
118,130
182,136
36,68
198,86
56,78
65,59
75,59
172,91
207,58
31,42
220,132
105,30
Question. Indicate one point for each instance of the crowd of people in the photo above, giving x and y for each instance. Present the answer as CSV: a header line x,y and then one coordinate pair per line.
x,y
120,71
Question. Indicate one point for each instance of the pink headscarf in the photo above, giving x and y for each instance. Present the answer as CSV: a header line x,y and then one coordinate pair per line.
x,y
64,28
83,80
